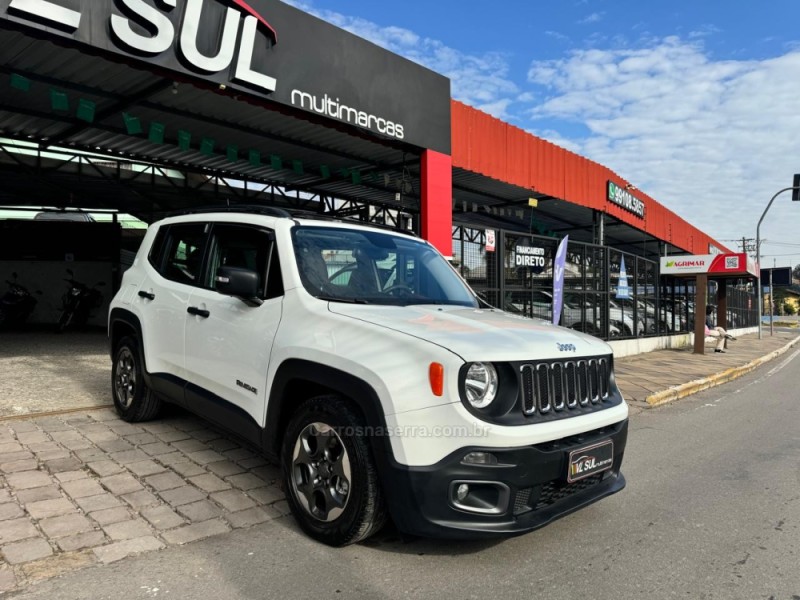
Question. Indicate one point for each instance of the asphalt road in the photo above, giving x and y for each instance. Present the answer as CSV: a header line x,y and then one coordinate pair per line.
x,y
712,510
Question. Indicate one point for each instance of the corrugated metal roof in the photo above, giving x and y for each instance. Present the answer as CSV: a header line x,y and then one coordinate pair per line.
x,y
115,88
489,147
495,164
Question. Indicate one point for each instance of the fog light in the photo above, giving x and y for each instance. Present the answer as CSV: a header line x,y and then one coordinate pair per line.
x,y
479,458
462,492
481,497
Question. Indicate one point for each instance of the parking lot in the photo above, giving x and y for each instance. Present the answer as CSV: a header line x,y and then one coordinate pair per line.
x,y
82,488
43,372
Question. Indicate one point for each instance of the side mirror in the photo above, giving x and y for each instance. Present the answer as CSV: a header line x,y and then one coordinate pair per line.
x,y
239,283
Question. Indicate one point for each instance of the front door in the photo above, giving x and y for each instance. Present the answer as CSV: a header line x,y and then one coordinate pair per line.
x,y
228,341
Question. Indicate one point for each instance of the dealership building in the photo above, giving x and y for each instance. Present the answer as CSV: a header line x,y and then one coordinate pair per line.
x,y
147,107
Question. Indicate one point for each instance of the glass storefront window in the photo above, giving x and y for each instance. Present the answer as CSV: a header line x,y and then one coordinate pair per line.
x,y
596,298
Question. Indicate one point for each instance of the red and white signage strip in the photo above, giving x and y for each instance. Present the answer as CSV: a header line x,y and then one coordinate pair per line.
x,y
715,264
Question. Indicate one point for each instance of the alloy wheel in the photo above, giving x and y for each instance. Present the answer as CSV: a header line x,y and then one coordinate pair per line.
x,y
321,474
125,377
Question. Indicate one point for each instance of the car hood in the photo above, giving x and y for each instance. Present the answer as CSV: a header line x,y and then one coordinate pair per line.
x,y
477,334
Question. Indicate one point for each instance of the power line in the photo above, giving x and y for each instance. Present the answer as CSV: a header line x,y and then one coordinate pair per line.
x,y
785,244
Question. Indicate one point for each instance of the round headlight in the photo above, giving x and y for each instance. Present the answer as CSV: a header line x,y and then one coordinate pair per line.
x,y
481,384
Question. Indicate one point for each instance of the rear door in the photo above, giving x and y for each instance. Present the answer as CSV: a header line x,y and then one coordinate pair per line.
x,y
228,343
163,295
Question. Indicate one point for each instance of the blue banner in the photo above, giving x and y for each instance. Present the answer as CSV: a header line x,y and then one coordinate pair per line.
x,y
558,279
623,289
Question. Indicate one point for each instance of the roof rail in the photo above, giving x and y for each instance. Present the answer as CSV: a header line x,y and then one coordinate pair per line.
x,y
272,211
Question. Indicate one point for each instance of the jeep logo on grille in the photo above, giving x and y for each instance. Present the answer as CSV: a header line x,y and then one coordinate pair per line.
x,y
567,347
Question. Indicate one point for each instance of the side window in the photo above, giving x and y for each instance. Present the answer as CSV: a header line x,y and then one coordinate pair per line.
x,y
156,255
248,248
183,249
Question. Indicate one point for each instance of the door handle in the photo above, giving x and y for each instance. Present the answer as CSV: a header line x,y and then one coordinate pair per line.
x,y
198,312
147,295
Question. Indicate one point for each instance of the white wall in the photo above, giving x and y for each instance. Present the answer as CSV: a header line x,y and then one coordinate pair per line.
x,y
635,346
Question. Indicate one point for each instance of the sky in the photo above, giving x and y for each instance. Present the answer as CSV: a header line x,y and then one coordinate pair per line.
x,y
696,103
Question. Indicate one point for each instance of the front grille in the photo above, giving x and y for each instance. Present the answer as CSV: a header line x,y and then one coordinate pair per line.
x,y
552,492
541,496
559,386
522,501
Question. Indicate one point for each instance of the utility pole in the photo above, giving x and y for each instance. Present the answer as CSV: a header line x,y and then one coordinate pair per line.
x,y
748,244
795,197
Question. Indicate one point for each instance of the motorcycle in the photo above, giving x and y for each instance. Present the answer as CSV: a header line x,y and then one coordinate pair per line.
x,y
16,305
78,303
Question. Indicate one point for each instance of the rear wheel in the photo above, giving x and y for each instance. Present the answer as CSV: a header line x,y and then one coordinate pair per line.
x,y
133,400
330,477
64,321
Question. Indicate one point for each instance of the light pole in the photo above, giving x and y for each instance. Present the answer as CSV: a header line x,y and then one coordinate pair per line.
x,y
758,248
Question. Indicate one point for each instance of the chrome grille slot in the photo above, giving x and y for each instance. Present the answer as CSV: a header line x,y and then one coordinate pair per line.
x,y
557,374
528,390
604,377
562,386
594,389
543,388
583,383
571,387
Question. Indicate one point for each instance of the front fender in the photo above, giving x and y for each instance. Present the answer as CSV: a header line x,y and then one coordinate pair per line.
x,y
325,379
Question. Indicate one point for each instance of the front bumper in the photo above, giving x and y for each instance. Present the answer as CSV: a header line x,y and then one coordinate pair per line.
x,y
420,498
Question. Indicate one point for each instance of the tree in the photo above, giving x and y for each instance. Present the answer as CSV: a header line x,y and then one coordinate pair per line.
x,y
789,309
796,272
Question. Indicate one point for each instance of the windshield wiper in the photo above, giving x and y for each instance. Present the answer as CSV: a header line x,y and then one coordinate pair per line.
x,y
343,300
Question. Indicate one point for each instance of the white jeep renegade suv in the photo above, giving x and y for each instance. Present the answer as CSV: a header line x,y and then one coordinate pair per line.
x,y
362,362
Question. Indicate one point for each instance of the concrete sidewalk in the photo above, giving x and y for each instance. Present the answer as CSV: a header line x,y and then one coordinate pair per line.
x,y
662,376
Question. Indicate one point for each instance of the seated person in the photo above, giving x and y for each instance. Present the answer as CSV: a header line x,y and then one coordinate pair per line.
x,y
716,332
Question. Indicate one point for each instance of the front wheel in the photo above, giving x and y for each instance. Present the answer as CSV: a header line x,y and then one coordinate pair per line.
x,y
330,477
133,400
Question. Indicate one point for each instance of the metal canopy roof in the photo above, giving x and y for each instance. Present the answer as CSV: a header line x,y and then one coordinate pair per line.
x,y
485,202
334,161
316,157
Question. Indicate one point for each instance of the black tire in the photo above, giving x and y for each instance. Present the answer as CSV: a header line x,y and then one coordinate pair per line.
x,y
133,400
363,512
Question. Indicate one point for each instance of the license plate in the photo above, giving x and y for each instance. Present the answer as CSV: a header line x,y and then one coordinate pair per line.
x,y
590,460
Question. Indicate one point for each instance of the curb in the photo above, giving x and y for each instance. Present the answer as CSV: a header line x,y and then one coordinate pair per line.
x,y
698,385
54,413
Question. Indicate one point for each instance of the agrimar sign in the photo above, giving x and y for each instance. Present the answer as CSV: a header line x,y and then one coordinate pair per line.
x,y
262,48
737,264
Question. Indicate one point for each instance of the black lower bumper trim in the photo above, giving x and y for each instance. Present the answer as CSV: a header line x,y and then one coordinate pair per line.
x,y
420,500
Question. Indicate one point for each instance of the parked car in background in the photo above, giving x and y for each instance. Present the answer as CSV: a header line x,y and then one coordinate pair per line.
x,y
64,215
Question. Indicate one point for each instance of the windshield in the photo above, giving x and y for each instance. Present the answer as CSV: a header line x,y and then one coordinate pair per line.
x,y
370,267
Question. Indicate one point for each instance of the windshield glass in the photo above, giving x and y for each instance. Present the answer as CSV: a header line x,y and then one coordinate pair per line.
x,y
370,267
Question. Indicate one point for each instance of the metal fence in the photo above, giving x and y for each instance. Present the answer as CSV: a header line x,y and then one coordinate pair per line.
x,y
607,293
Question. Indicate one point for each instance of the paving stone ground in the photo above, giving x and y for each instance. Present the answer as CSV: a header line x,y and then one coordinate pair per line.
x,y
87,488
